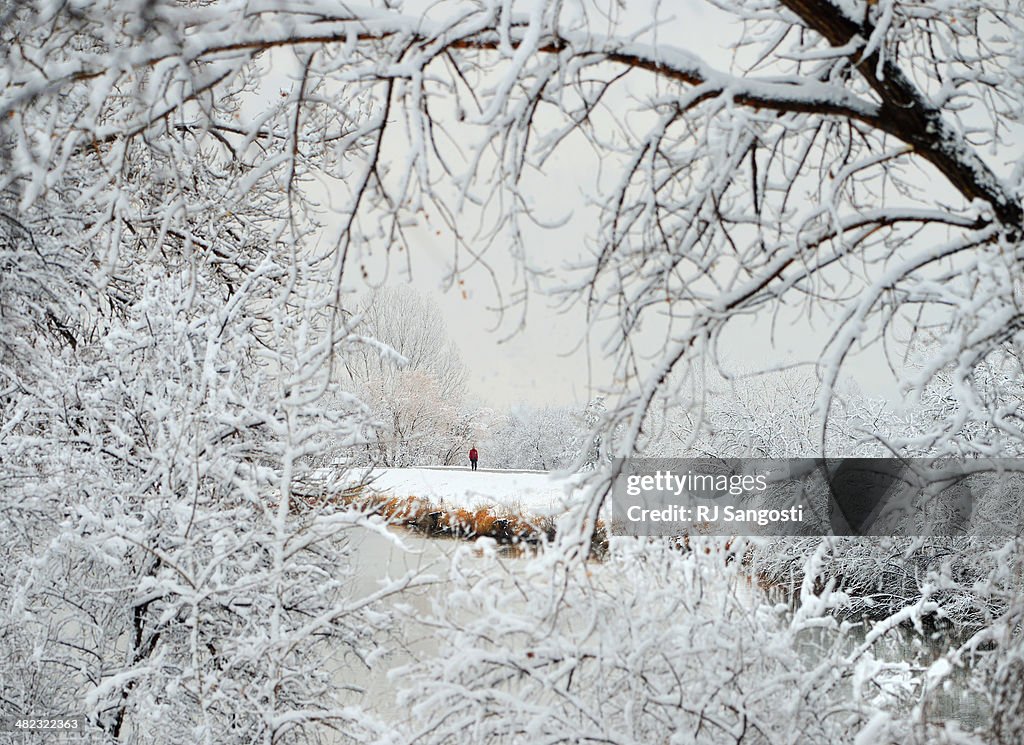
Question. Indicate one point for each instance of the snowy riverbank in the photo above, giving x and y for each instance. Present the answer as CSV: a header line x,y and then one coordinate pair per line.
x,y
532,492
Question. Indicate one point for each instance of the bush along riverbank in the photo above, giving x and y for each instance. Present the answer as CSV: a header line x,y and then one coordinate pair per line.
x,y
949,579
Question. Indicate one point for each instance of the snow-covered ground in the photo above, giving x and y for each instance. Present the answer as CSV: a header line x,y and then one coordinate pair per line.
x,y
534,492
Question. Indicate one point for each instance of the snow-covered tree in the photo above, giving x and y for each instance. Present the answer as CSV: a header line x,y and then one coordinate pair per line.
x,y
542,438
972,412
167,343
757,414
472,426
414,385
161,569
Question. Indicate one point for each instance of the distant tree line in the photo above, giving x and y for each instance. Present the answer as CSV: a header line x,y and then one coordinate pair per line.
x,y
412,380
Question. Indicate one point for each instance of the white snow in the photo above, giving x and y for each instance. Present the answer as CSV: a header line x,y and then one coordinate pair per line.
x,y
533,492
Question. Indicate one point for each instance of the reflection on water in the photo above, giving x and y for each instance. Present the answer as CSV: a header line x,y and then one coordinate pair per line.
x,y
378,558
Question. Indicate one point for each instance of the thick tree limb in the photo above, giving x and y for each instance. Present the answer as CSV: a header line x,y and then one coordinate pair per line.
x,y
909,115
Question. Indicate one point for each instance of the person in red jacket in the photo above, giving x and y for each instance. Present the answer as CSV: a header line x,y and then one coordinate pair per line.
x,y
473,456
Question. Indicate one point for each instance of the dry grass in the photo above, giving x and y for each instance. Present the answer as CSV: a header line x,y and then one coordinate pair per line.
x,y
506,524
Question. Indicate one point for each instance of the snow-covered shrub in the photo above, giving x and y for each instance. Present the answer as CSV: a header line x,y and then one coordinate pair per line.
x,y
652,645
882,575
157,573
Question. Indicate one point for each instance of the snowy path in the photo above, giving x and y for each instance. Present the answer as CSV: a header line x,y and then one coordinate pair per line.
x,y
535,492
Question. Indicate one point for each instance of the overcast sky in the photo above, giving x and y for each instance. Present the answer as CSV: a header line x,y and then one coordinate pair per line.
x,y
552,359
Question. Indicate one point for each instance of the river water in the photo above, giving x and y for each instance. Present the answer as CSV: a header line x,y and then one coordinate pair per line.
x,y
382,557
